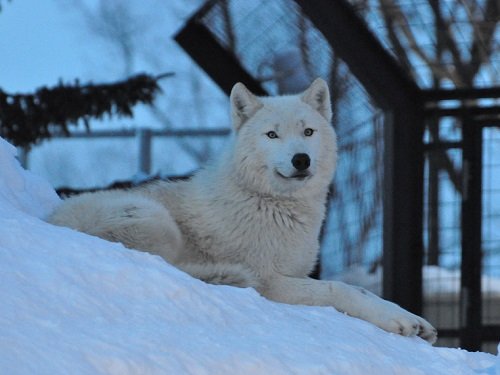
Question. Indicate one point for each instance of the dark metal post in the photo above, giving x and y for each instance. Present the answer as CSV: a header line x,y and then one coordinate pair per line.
x,y
221,65
471,222
144,138
403,201
384,79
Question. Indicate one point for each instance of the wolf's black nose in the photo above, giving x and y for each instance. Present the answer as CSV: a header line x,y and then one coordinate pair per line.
x,y
301,161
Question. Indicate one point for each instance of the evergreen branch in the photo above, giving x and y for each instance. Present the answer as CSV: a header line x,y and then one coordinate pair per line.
x,y
26,119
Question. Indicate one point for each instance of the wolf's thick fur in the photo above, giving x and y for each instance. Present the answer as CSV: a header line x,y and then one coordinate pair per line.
x,y
251,218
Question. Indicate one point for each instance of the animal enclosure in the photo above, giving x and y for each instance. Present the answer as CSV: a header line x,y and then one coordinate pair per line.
x,y
416,111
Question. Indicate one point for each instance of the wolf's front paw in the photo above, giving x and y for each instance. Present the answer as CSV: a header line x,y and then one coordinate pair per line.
x,y
400,321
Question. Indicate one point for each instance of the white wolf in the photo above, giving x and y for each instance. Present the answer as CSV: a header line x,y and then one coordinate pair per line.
x,y
252,217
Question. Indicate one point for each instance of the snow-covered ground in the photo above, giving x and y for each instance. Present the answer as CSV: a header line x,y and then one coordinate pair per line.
x,y
75,304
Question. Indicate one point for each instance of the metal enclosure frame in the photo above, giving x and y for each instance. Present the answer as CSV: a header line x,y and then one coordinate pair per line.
x,y
474,117
393,91
399,97
406,108
204,49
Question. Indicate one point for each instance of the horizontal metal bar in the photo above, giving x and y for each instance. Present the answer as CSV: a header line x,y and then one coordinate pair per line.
x,y
463,110
219,132
460,93
488,122
450,332
488,333
129,133
442,145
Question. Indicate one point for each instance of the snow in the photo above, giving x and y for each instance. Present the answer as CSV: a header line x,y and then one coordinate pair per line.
x,y
72,303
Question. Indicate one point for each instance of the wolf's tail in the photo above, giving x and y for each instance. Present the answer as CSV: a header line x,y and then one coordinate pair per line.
x,y
222,274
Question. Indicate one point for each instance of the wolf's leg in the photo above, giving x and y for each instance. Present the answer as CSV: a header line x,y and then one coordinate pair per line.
x,y
354,301
136,221
221,273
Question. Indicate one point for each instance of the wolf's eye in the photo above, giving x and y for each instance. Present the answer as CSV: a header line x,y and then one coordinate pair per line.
x,y
308,132
272,134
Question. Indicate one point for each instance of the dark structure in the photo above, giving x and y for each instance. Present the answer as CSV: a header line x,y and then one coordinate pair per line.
x,y
333,34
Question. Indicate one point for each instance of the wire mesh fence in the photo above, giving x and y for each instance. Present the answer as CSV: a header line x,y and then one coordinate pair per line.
x,y
282,49
491,231
445,191
455,41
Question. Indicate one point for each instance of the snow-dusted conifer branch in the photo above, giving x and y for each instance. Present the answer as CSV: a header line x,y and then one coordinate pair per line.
x,y
26,119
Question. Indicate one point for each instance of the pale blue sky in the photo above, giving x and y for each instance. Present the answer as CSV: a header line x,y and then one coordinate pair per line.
x,y
42,42
37,46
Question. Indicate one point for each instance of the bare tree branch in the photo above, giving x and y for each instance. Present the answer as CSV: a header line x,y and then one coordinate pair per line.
x,y
228,25
449,42
484,30
395,17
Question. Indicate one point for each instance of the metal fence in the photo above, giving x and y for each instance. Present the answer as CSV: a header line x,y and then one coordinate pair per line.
x,y
462,220
439,217
144,138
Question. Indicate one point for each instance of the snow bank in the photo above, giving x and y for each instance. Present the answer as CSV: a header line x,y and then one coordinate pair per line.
x,y
20,190
75,304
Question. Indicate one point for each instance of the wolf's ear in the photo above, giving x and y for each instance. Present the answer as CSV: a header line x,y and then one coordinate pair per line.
x,y
318,97
244,104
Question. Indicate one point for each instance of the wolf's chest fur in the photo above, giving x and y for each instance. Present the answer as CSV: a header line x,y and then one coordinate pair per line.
x,y
266,233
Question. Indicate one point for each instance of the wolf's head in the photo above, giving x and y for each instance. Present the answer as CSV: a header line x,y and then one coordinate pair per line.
x,y
284,144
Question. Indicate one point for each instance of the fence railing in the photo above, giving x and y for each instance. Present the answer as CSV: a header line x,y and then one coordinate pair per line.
x,y
144,138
